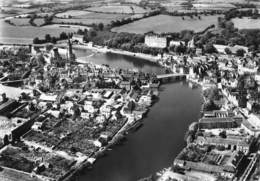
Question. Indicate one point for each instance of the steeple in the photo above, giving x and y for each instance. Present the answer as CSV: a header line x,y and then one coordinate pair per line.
x,y
70,55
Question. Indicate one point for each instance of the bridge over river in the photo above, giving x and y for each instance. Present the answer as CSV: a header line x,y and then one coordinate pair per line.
x,y
170,77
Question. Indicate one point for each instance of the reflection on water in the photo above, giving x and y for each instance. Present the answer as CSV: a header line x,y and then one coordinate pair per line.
x,y
119,61
155,145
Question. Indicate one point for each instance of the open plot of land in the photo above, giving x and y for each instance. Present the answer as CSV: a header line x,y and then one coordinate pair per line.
x,y
13,175
165,23
220,1
92,18
25,34
39,21
246,23
214,6
119,9
15,11
70,27
72,13
20,21
3,15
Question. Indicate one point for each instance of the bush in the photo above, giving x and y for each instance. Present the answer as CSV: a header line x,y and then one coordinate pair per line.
x,y
240,52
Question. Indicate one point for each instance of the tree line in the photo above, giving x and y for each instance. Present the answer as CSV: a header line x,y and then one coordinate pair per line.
x,y
51,39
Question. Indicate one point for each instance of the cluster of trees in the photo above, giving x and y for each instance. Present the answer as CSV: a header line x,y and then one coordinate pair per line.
x,y
51,39
234,13
227,34
184,35
9,22
179,49
47,20
95,34
192,14
32,18
124,41
131,42
211,95
130,20
22,54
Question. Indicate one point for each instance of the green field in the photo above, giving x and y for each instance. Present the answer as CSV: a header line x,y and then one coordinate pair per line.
x,y
90,18
39,21
119,9
72,13
25,34
220,1
246,23
20,21
165,23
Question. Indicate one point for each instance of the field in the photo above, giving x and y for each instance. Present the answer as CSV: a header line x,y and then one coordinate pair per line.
x,y
165,23
20,21
39,21
246,23
25,34
12,10
90,18
72,13
119,9
220,1
214,6
3,15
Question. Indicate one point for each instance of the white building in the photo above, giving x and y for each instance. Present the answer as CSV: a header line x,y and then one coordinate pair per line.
x,y
252,125
156,41
77,38
176,43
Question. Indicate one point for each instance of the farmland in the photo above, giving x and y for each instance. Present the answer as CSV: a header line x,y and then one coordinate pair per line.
x,y
25,34
91,17
39,21
124,9
20,21
220,1
165,23
246,23
72,13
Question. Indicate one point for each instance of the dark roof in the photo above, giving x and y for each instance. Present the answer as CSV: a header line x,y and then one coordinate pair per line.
x,y
216,119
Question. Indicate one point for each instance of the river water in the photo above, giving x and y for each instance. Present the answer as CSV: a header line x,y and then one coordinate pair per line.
x,y
155,145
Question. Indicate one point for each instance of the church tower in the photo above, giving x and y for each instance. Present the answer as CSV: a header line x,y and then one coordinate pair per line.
x,y
70,55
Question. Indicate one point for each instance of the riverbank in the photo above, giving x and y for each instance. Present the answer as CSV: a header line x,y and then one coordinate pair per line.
x,y
116,139
150,148
100,49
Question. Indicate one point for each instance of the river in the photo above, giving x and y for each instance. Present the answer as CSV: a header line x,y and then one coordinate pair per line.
x,y
119,61
155,145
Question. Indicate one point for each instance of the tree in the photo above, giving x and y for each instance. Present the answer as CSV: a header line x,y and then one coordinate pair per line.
x,y
223,134
209,48
36,40
85,38
228,51
92,33
48,19
101,26
240,52
53,40
47,37
210,106
63,36
80,32
211,94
